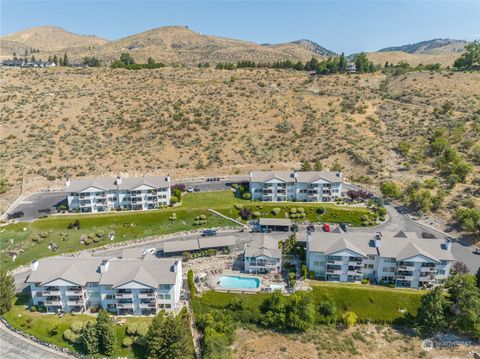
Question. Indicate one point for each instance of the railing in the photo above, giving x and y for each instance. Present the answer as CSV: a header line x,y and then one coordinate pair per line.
x,y
147,305
336,261
124,305
427,279
334,271
405,277
428,269
75,292
124,295
146,295
53,302
406,268
75,302
51,293
355,263
355,273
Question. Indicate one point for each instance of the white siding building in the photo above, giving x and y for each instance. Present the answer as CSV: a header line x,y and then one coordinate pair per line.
x,y
263,256
280,186
123,286
400,258
105,194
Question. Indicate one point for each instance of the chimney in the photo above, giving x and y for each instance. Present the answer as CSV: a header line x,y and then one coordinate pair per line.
x,y
104,266
67,182
167,178
309,236
340,174
177,266
119,180
34,265
377,242
447,245
250,175
295,174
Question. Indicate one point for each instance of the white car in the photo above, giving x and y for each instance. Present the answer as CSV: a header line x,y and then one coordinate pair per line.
x,y
190,189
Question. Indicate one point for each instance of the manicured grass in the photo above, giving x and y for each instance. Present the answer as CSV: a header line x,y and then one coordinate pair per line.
x,y
126,226
370,303
41,324
375,303
136,225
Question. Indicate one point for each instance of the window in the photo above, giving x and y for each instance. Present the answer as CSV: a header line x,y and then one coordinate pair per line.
x,y
160,296
316,263
108,297
441,272
167,296
168,306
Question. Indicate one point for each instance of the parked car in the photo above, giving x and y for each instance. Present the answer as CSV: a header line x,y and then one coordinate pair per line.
x,y
190,189
209,232
476,251
196,189
326,227
344,226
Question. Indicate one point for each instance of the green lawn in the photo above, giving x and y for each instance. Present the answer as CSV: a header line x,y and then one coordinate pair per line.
x,y
374,303
41,324
126,226
136,225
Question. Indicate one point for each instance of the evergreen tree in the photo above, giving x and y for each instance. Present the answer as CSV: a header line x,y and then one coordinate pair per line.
x,y
273,310
169,337
50,58
65,60
300,311
107,338
477,276
127,59
7,291
318,166
361,62
55,59
431,314
305,166
342,63
15,58
32,59
90,338
60,61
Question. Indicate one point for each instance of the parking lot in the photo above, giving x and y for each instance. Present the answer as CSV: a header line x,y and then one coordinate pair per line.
x,y
34,205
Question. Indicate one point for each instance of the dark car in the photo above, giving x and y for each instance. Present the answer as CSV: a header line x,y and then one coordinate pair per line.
x,y
209,232
344,226
196,189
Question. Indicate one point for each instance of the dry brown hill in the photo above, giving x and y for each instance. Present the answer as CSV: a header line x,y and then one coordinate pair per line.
x,y
52,38
444,59
177,44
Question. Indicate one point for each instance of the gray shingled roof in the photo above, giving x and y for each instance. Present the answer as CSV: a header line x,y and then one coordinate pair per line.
x,y
288,176
264,246
150,271
107,184
198,244
392,245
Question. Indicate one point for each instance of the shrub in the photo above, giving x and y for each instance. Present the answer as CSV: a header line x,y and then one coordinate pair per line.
x,y
132,328
76,327
173,199
142,329
349,319
245,213
364,280
127,342
300,210
320,210
191,284
203,217
88,241
311,274
256,214
100,234
293,210
238,206
70,336
276,211
247,195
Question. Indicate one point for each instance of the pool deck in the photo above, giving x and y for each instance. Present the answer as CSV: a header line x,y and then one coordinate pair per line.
x,y
214,279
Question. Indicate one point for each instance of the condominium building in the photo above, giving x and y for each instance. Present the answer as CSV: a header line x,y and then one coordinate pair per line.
x,y
279,186
133,285
401,258
263,256
104,194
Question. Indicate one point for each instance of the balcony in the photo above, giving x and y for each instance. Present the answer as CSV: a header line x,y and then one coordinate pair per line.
x,y
334,271
406,268
427,279
124,305
355,263
123,295
147,295
428,269
405,277
75,303
53,302
355,273
147,305
337,262
76,293
51,293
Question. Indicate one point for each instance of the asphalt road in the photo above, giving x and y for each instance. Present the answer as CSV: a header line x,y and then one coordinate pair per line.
x,y
14,346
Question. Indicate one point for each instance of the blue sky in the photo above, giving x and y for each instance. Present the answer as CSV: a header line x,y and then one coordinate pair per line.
x,y
349,26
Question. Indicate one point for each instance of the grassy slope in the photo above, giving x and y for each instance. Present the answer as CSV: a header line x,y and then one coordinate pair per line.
x,y
135,225
378,304
40,325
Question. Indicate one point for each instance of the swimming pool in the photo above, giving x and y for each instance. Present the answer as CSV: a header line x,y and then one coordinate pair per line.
x,y
239,282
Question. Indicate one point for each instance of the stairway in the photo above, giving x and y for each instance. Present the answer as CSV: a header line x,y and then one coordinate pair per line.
x,y
195,334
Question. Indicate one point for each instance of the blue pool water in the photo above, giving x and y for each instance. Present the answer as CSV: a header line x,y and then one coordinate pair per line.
x,y
239,282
